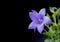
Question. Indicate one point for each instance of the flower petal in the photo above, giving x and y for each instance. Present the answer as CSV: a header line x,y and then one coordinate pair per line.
x,y
40,28
42,11
34,12
33,15
46,20
32,25
39,16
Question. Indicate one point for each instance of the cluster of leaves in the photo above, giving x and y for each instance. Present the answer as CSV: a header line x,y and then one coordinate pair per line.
x,y
54,27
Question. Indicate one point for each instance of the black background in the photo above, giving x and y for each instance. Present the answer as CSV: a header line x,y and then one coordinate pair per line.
x,y
19,19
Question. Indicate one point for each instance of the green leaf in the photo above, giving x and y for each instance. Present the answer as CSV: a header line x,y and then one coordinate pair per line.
x,y
57,36
58,27
48,40
59,8
47,15
51,9
56,12
50,32
58,40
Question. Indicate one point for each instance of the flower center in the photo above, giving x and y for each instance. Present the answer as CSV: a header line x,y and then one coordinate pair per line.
x,y
40,20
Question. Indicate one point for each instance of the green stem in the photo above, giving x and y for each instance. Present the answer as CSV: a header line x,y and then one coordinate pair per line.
x,y
54,18
58,17
55,21
47,26
45,30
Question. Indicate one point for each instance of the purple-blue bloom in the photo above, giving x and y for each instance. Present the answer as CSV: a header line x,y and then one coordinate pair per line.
x,y
38,20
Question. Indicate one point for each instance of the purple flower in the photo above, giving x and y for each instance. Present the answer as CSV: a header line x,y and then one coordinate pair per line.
x,y
38,20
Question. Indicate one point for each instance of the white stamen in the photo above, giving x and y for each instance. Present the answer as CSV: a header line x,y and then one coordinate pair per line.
x,y
40,20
